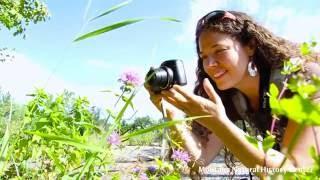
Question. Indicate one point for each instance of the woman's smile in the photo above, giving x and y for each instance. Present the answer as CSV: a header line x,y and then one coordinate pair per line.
x,y
219,74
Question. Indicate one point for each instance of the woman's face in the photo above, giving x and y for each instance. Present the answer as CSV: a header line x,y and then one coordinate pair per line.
x,y
224,59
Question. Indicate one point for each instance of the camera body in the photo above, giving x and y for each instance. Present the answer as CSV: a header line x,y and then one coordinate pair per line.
x,y
169,73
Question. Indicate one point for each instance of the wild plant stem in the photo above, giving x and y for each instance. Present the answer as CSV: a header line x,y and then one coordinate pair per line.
x,y
115,104
274,118
119,98
316,139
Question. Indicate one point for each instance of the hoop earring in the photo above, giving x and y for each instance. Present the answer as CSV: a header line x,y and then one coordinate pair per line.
x,y
252,69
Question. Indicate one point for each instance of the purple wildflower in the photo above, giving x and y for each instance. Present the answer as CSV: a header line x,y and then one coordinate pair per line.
x,y
130,78
114,139
152,169
143,176
179,155
136,169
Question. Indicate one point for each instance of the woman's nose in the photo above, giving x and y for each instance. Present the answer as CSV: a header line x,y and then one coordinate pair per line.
x,y
212,61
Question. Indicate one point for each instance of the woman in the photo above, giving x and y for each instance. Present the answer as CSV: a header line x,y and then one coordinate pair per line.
x,y
237,60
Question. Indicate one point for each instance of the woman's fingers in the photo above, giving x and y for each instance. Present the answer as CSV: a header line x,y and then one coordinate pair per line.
x,y
174,94
183,92
155,98
213,95
172,101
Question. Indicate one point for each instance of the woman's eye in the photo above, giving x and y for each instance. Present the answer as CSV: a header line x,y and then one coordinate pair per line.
x,y
220,50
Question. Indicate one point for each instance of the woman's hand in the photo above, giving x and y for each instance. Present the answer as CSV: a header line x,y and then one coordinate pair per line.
x,y
157,100
194,105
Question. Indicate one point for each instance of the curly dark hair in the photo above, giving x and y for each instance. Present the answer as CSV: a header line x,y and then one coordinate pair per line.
x,y
270,52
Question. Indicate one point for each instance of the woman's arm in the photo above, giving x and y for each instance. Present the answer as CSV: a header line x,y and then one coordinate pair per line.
x,y
202,153
225,130
309,137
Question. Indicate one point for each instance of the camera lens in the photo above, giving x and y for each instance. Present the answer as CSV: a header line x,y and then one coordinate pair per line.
x,y
160,78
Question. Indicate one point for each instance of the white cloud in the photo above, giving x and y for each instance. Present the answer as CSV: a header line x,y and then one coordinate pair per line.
x,y
291,24
199,8
21,76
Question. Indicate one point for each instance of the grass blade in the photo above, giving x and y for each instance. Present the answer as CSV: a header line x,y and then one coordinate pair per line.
x,y
5,142
90,160
68,141
159,126
170,19
114,8
121,113
107,29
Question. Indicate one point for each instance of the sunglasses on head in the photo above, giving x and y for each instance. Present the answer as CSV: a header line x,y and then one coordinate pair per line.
x,y
214,16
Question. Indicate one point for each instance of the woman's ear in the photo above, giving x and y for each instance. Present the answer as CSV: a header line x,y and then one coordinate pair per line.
x,y
251,47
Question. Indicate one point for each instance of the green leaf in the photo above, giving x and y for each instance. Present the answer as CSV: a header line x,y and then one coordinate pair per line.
x,y
89,125
123,109
125,99
86,167
107,29
116,176
66,140
252,140
56,161
305,49
114,8
273,100
169,19
107,90
268,142
109,111
274,92
301,110
171,177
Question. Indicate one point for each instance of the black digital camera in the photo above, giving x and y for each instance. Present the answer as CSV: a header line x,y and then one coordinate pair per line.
x,y
169,73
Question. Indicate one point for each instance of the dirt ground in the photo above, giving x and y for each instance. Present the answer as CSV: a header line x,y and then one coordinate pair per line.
x,y
132,156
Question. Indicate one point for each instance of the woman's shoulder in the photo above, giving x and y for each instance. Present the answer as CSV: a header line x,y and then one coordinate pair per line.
x,y
311,68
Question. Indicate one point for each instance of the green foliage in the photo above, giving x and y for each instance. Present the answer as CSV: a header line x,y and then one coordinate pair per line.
x,y
15,15
160,126
306,48
6,55
138,124
59,138
163,170
55,135
147,139
299,108
268,142
16,116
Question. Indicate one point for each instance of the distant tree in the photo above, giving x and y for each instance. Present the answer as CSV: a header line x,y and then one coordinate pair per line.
x,y
5,107
15,15
138,123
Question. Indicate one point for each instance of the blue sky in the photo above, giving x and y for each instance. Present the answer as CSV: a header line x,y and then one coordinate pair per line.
x,y
48,58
